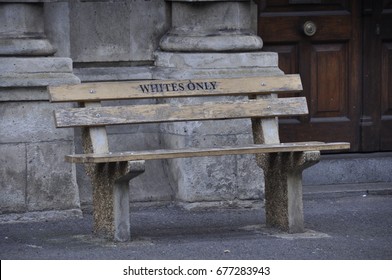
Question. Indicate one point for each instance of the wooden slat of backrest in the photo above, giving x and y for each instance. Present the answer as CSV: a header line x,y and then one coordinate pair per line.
x,y
138,114
175,88
98,135
265,131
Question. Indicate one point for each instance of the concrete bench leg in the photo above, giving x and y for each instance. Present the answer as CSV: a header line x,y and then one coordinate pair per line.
x,y
110,183
283,188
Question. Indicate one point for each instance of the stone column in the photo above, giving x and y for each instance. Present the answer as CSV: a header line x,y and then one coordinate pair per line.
x,y
211,38
34,176
211,26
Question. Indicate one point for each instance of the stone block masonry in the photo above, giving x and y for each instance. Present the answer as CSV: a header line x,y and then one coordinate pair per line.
x,y
46,42
34,176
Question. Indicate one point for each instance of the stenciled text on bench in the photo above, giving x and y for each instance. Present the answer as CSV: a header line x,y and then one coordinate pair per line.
x,y
166,87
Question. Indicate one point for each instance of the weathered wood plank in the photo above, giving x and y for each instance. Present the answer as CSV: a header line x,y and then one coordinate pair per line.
x,y
202,152
175,88
98,135
156,113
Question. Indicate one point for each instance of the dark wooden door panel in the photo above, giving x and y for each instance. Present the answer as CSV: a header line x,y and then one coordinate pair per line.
x,y
386,75
329,94
277,27
377,94
328,61
288,57
386,78
304,5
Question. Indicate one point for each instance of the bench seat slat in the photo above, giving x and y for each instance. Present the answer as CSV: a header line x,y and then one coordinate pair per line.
x,y
156,113
175,88
201,152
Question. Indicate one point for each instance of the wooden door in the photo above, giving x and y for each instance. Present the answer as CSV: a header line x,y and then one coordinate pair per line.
x,y
376,119
329,62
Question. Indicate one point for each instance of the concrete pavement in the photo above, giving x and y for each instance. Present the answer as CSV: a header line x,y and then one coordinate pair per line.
x,y
342,224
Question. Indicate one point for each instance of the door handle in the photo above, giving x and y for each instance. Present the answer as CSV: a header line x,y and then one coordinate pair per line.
x,y
309,28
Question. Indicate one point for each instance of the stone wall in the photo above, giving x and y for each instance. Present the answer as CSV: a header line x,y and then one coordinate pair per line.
x,y
116,40
123,52
48,42
119,40
34,176
132,49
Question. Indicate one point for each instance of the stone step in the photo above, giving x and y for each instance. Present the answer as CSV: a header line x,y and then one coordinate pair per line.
x,y
343,169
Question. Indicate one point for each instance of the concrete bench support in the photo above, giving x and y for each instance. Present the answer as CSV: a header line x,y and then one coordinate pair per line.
x,y
110,183
283,188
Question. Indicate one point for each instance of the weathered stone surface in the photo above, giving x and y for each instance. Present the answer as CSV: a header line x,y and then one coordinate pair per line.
x,y
35,65
19,19
178,73
51,180
22,30
40,216
153,184
217,179
174,42
153,19
171,65
32,47
215,26
23,94
13,176
30,122
36,178
199,129
213,178
204,179
36,72
191,175
250,178
57,27
92,40
216,60
211,15
92,74
350,169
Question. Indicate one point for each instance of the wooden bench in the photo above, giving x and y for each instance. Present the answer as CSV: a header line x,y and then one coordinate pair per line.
x,y
111,172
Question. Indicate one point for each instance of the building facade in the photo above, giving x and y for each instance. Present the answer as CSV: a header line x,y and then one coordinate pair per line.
x,y
65,42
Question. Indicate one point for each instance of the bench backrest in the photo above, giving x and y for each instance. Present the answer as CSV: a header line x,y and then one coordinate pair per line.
x,y
262,106
90,92
155,113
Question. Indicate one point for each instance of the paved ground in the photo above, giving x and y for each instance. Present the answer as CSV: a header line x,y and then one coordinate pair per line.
x,y
342,225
